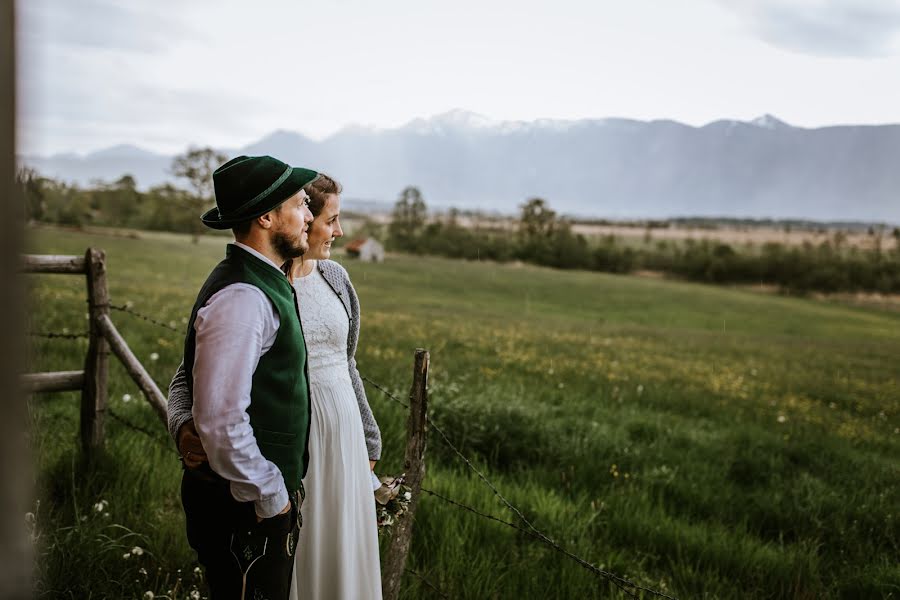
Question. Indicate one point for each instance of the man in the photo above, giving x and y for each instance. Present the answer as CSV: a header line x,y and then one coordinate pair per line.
x,y
245,363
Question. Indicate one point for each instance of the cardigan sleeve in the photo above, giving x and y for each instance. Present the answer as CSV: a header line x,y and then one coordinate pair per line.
x,y
370,426
180,402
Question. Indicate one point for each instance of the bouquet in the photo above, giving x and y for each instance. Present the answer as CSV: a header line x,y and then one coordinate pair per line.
x,y
391,501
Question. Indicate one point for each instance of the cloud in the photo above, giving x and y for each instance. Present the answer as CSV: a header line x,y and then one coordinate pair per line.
x,y
832,28
138,27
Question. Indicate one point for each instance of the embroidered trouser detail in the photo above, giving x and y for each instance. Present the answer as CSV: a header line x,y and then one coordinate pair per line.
x,y
243,559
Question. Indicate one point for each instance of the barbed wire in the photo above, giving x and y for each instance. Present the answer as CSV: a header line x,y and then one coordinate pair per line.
x,y
53,335
385,392
529,533
140,429
125,308
620,582
428,583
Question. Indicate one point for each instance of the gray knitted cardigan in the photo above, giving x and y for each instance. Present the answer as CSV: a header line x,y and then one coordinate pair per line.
x,y
181,402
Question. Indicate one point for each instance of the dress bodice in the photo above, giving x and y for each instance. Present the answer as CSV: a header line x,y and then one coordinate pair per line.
x,y
325,324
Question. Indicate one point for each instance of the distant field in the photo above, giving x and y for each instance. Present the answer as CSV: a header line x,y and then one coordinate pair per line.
x,y
739,236
706,441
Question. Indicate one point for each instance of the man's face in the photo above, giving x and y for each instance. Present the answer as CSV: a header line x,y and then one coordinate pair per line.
x,y
291,230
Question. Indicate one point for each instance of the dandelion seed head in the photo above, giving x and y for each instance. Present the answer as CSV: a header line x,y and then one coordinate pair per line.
x,y
126,397
154,356
781,418
137,551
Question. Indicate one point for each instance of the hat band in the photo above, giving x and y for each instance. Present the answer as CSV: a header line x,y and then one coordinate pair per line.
x,y
240,209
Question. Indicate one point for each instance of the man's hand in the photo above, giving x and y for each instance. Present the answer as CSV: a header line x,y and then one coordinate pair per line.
x,y
259,519
190,447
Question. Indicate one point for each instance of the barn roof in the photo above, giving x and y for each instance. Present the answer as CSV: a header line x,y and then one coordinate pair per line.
x,y
356,244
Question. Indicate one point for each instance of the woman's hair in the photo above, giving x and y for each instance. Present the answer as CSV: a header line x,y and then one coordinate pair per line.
x,y
318,191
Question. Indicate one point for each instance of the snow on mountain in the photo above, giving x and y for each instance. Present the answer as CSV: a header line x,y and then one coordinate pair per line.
x,y
767,121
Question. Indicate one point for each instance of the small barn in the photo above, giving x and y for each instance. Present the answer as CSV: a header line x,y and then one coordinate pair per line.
x,y
367,249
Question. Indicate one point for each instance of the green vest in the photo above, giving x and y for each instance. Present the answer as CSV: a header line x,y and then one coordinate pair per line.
x,y
279,399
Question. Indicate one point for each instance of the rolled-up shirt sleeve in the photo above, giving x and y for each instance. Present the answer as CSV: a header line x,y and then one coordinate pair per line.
x,y
233,330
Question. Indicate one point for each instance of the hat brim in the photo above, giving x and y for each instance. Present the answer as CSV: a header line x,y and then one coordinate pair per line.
x,y
298,178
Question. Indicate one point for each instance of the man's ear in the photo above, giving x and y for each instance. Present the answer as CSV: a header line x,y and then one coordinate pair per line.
x,y
266,221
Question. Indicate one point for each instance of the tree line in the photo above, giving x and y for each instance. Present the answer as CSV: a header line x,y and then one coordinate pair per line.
x,y
543,237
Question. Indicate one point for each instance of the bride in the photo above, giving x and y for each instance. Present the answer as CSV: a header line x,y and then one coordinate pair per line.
x,y
337,553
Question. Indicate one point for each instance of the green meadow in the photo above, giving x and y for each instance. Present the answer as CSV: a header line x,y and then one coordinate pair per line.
x,y
703,441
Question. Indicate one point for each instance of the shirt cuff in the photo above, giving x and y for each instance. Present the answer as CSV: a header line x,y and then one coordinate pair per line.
x,y
269,506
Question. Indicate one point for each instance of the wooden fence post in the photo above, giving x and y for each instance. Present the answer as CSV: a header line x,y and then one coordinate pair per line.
x,y
96,364
414,467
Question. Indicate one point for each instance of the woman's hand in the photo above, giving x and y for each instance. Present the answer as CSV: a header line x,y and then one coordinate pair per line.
x,y
190,447
372,464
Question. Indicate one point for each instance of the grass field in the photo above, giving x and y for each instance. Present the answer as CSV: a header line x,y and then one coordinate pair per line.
x,y
704,441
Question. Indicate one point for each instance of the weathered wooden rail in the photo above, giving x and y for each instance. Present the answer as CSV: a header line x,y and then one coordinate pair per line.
x,y
103,337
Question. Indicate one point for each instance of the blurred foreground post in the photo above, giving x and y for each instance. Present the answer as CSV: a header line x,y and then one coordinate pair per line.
x,y
15,464
414,467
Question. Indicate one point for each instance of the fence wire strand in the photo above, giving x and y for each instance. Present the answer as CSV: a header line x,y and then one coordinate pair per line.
x,y
140,429
125,308
51,335
428,583
623,584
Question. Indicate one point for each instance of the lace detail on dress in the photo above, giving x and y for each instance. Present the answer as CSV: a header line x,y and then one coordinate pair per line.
x,y
325,325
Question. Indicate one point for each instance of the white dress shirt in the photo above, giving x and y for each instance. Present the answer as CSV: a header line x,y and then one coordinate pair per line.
x,y
236,326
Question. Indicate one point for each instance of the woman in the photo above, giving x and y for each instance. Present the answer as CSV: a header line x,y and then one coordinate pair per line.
x,y
337,553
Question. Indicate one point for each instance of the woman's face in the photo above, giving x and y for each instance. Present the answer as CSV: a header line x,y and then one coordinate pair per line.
x,y
325,228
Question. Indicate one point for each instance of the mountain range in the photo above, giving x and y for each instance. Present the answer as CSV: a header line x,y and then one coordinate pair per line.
x,y
611,168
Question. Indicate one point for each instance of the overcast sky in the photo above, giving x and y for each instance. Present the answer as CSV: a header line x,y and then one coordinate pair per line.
x,y
164,74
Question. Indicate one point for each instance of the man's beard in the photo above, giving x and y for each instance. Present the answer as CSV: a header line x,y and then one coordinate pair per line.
x,y
287,246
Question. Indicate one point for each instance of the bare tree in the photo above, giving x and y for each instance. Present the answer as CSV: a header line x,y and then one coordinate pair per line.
x,y
197,166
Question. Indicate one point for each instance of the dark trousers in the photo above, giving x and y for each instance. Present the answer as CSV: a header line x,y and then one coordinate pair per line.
x,y
243,559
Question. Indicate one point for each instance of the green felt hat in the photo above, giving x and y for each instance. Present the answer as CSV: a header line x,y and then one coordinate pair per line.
x,y
250,186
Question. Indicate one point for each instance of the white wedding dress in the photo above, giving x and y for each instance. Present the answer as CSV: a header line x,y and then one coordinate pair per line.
x,y
337,553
